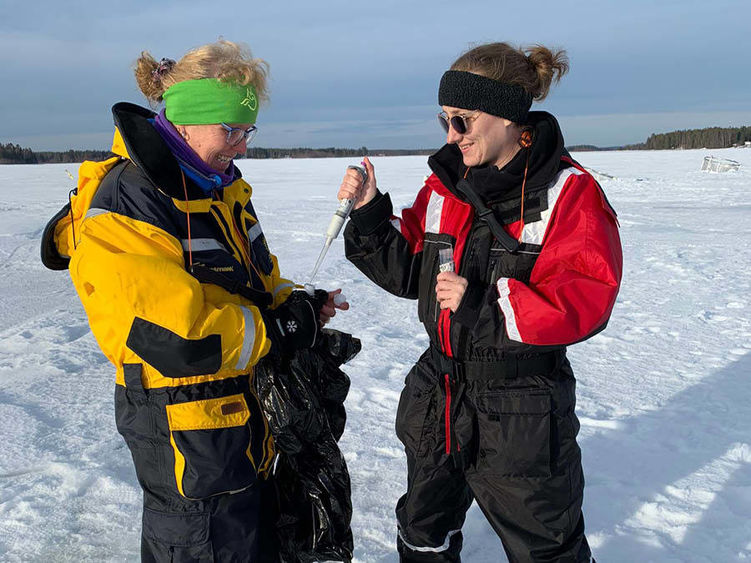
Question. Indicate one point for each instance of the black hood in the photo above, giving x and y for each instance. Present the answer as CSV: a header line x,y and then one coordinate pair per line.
x,y
495,184
150,153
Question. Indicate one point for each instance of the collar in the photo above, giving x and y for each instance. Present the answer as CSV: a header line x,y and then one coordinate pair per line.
x,y
190,163
144,146
495,184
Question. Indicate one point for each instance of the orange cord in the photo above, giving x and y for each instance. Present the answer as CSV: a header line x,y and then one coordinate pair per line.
x,y
187,213
190,243
524,184
525,142
248,257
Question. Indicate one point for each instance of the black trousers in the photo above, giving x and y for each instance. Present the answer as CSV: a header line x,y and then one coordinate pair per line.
x,y
506,440
188,469
224,528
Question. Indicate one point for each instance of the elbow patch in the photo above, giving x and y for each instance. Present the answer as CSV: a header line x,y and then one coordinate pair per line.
x,y
172,355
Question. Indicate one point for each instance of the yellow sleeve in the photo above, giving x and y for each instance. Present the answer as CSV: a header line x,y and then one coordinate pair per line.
x,y
143,306
282,287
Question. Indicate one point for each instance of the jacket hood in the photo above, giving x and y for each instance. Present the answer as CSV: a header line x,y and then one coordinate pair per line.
x,y
138,140
495,184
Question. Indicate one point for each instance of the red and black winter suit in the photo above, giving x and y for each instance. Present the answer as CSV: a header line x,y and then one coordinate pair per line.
x,y
487,413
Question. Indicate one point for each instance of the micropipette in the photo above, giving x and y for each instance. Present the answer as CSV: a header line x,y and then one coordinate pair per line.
x,y
337,222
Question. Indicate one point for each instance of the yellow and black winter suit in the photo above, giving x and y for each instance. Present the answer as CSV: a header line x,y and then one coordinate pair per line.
x,y
172,279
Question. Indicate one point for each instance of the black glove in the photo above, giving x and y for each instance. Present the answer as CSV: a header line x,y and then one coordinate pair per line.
x,y
294,324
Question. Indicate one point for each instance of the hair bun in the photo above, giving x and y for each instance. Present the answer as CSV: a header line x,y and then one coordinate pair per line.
x,y
164,66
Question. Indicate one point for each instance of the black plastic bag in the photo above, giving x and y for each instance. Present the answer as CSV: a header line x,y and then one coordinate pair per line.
x,y
309,492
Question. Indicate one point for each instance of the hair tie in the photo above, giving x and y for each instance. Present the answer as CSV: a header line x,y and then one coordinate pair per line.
x,y
165,65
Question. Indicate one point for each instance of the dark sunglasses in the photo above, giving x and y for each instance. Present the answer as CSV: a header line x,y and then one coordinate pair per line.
x,y
237,134
460,123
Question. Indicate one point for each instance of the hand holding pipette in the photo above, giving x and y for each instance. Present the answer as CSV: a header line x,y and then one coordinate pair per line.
x,y
358,187
354,188
355,185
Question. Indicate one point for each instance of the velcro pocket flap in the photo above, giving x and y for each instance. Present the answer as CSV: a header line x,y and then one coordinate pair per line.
x,y
514,433
512,402
209,414
211,439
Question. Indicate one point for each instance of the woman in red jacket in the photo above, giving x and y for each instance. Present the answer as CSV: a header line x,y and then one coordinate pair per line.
x,y
513,252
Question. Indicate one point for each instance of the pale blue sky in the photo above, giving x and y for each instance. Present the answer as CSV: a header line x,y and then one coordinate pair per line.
x,y
351,73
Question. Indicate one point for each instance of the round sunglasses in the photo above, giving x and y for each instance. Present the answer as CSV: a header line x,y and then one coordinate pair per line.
x,y
460,123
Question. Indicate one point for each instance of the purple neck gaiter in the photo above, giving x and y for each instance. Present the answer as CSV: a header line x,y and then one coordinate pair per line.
x,y
186,155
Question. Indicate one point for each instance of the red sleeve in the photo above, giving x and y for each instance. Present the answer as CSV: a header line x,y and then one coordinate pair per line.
x,y
412,222
575,280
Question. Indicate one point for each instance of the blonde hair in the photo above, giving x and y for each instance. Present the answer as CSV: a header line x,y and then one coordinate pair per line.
x,y
533,68
225,60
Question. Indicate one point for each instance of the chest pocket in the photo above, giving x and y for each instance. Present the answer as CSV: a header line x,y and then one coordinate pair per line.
x,y
427,308
518,266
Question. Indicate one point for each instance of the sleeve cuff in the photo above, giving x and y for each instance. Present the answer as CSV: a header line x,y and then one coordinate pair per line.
x,y
373,214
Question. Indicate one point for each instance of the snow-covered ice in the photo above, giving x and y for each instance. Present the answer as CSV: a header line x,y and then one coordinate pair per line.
x,y
664,393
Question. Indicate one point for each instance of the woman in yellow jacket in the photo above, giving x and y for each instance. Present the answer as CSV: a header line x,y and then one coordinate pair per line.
x,y
184,298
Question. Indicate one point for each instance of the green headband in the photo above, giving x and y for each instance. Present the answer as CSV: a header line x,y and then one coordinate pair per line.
x,y
208,100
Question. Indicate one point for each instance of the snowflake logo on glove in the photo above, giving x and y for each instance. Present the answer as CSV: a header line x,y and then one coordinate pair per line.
x,y
291,326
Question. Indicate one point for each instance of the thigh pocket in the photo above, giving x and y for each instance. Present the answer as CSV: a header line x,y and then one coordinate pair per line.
x,y
211,442
177,537
412,415
514,433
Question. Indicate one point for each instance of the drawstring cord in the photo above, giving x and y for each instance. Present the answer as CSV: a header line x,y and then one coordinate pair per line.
x,y
524,184
525,142
215,196
187,214
249,251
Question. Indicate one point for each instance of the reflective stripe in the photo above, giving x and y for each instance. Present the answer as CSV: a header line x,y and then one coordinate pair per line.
x,y
203,244
433,214
438,549
93,212
282,286
533,233
254,232
249,339
508,311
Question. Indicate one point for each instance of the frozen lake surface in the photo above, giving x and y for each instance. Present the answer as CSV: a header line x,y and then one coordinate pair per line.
x,y
664,393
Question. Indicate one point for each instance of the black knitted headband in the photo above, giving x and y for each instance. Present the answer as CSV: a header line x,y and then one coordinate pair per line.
x,y
468,90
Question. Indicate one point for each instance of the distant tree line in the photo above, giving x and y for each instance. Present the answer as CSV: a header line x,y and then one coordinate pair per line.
x,y
260,152
72,156
15,154
590,148
330,152
709,138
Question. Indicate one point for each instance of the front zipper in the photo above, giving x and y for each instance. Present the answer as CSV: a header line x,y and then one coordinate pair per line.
x,y
447,414
436,308
239,243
